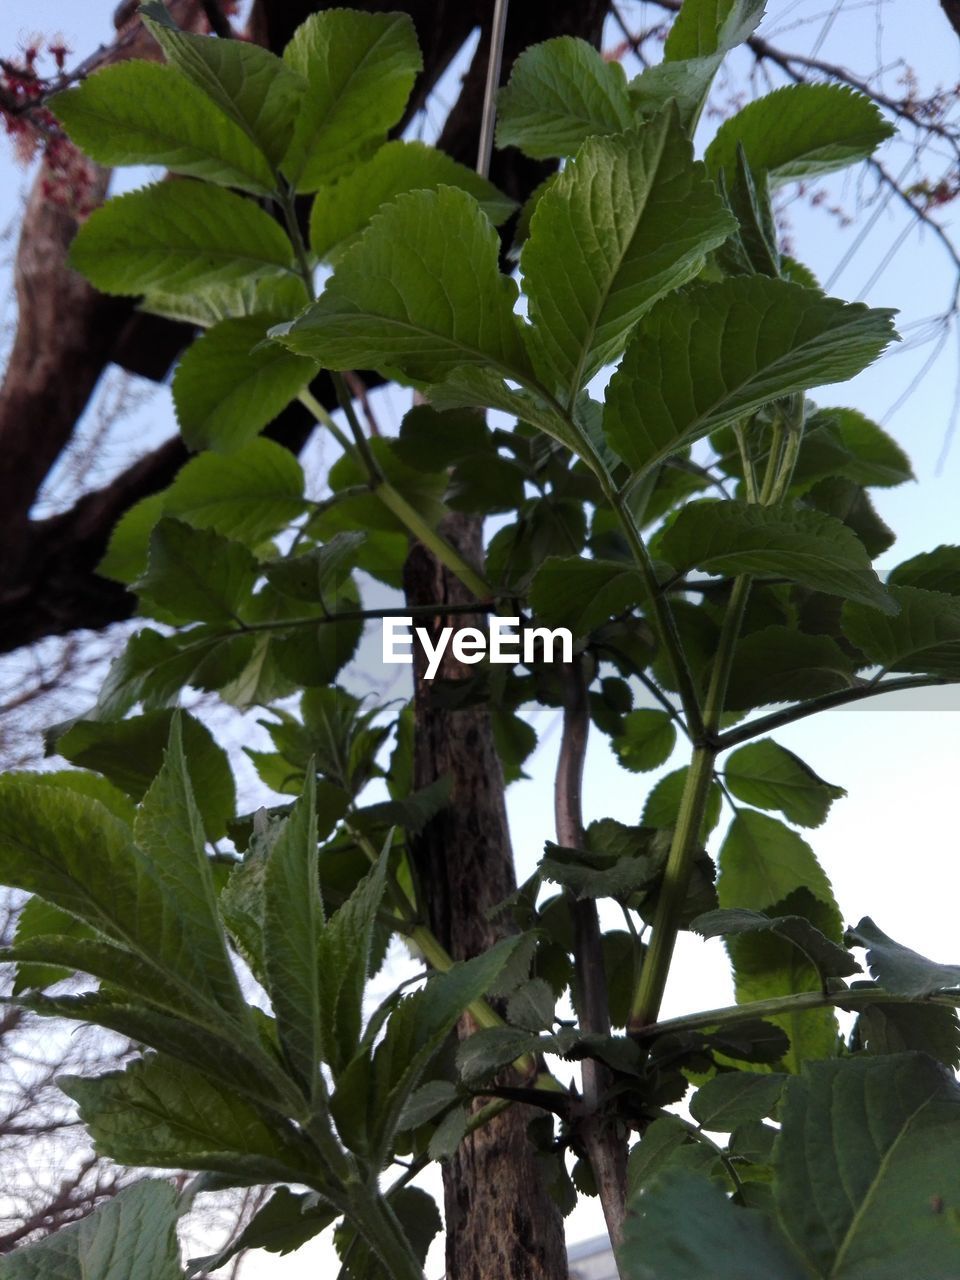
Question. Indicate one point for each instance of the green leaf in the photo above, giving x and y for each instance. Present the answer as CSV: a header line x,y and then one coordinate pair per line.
x,y
899,970
560,93
196,575
358,70
892,1028
251,86
662,806
292,920
799,132
733,1098
420,291
159,1113
314,574
829,959
937,570
134,1233
283,1224
178,237
808,547
864,1165
646,741
851,504
126,555
230,384
280,295
705,27
419,1220
581,594
716,352
715,1239
924,637
39,919
154,668
769,776
662,1139
342,211
765,866
780,664
144,113
130,754
250,495
630,219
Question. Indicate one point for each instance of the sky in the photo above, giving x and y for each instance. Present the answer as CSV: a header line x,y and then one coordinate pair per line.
x,y
891,846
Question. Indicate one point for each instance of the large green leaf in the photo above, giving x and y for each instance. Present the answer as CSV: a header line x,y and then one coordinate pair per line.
x,y
734,1098
196,575
715,352
705,27
292,919
800,131
251,86
560,93
647,739
340,212
131,753
865,1168
154,669
146,113
358,69
867,454
936,570
285,1222
899,970
159,1113
924,637
781,664
685,1227
178,237
131,1234
828,958
39,919
420,291
804,546
627,221
230,384
763,865
573,592
769,776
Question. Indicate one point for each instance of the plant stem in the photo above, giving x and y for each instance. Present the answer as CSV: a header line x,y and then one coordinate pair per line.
x,y
776,1006
488,118
310,401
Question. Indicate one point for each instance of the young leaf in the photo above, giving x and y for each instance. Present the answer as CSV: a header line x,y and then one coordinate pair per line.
x,y
646,741
662,806
801,131
717,1238
630,219
924,636
560,93
864,1158
358,70
251,86
230,384
134,1233
145,113
178,237
573,592
715,352
159,1113
705,27
808,547
340,212
734,1098
828,958
196,575
899,970
420,291
769,776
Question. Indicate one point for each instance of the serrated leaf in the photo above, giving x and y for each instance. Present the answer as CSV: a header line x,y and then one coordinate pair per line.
x,y
159,1113
800,131
660,1142
767,775
780,664
580,594
154,668
828,958
561,92
924,636
646,741
864,1166
630,219
805,546
704,27
421,292
230,384
134,1233
426,1102
178,237
137,112
39,919
937,570
358,70
662,806
715,352
873,457
899,970
283,1224
418,1218
891,1028
733,1098
340,212
196,575
251,86
717,1238
314,574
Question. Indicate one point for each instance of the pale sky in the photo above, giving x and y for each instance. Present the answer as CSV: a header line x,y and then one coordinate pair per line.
x,y
890,847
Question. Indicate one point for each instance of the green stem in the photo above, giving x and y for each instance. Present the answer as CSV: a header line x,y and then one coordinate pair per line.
x,y
444,552
380,1229
311,402
777,1006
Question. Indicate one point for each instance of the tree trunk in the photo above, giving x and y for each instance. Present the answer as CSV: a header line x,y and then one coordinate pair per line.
x,y
501,1221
